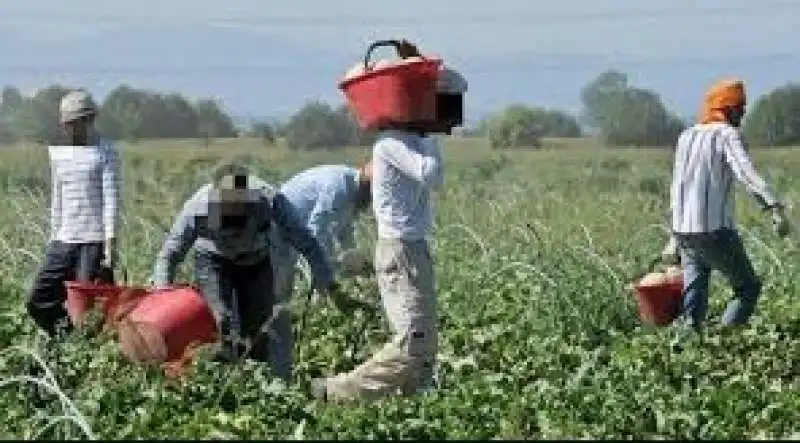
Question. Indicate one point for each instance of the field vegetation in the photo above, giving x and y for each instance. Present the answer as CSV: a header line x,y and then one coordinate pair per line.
x,y
540,338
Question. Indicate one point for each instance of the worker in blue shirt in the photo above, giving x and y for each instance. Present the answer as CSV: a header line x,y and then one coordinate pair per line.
x,y
326,199
231,223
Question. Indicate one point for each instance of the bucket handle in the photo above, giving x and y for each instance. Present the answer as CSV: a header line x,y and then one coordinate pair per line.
x,y
403,48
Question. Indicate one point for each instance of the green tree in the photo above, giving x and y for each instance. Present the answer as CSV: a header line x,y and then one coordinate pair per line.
x,y
212,121
626,115
264,131
318,126
38,119
11,103
774,119
517,126
520,125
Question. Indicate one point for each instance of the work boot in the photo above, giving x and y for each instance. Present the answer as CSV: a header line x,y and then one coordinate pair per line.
x,y
319,389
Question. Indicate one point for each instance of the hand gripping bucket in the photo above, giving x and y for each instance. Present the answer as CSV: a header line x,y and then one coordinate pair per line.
x,y
404,92
83,296
165,323
659,304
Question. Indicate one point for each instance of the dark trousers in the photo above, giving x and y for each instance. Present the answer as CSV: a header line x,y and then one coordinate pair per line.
x,y
63,262
241,294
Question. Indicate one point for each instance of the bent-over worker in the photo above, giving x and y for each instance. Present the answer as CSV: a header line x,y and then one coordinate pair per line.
x,y
326,199
709,156
229,221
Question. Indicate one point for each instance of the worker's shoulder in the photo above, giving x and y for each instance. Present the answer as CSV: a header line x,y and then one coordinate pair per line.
x,y
100,151
718,128
325,170
318,175
395,139
197,203
257,183
706,133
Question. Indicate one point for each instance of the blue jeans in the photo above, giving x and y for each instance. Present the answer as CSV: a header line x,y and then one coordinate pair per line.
x,y
63,262
722,250
238,295
281,340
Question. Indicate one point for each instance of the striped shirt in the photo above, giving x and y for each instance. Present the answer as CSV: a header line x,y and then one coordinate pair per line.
x,y
85,200
195,226
708,157
406,167
324,198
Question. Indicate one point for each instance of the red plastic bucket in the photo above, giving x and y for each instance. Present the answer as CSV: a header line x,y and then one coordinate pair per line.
x,y
164,323
82,296
404,92
659,305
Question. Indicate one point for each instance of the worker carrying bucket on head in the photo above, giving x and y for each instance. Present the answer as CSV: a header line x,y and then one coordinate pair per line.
x,y
708,157
230,222
327,200
407,168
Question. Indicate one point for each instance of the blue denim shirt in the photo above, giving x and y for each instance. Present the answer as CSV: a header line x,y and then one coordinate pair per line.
x,y
193,227
324,198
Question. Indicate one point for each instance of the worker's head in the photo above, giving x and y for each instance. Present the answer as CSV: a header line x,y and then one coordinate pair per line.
x,y
232,200
77,112
450,89
364,194
724,102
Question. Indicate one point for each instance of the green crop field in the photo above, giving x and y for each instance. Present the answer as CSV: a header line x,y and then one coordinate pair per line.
x,y
539,334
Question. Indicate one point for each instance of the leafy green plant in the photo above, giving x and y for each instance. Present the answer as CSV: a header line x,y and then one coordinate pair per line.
x,y
539,334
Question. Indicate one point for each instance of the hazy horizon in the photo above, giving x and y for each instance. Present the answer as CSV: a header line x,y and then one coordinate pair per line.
x,y
267,61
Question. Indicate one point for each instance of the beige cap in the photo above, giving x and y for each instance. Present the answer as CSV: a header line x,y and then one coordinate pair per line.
x,y
76,104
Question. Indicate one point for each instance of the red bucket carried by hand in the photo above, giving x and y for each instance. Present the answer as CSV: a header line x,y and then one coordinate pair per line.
x,y
660,300
402,92
83,296
165,323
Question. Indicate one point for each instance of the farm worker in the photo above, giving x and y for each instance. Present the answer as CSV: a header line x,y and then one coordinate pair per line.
x,y
407,167
327,199
708,157
229,221
84,211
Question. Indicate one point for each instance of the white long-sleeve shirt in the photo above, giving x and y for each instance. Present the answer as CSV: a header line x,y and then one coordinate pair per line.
x,y
85,201
708,158
406,168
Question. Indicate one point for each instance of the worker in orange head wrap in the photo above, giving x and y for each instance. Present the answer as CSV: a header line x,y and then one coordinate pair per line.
x,y
708,157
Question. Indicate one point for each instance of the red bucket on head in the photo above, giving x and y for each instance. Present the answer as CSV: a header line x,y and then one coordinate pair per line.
x,y
659,304
82,297
164,323
404,92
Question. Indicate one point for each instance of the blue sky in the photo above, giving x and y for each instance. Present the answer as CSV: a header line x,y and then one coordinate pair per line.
x,y
675,34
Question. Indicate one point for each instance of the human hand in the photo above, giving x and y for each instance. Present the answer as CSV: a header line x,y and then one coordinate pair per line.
x,y
407,49
344,302
669,255
110,253
779,222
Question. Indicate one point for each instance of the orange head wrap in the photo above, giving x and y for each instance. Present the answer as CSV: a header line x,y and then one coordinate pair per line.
x,y
724,94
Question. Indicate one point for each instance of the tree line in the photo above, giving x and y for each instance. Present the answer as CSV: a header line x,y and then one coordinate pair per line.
x,y
617,112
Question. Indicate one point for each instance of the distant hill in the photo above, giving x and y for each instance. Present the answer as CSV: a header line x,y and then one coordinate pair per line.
x,y
259,75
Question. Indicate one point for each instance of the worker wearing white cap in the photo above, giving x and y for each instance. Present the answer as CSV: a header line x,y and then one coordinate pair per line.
x,y
84,211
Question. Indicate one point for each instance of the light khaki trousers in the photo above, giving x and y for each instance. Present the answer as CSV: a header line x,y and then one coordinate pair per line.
x,y
404,270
